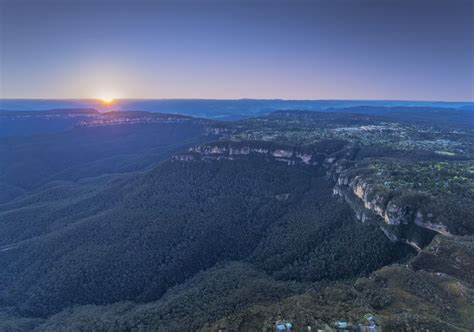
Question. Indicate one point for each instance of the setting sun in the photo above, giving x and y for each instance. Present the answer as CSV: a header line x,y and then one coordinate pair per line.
x,y
106,99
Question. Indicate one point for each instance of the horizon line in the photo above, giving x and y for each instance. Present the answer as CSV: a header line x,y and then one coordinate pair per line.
x,y
243,98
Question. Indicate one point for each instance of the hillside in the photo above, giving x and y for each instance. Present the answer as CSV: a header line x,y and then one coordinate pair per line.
x,y
110,143
174,224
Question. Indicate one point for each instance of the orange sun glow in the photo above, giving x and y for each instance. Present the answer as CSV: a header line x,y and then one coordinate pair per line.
x,y
106,99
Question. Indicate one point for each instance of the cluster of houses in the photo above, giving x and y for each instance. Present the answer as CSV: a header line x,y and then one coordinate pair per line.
x,y
369,324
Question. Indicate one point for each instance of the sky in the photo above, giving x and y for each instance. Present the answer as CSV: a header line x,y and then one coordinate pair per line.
x,y
367,49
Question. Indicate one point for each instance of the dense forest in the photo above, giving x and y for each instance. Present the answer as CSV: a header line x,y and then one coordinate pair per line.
x,y
147,235
102,228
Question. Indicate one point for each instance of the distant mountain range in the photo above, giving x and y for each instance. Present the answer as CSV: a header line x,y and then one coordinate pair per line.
x,y
216,108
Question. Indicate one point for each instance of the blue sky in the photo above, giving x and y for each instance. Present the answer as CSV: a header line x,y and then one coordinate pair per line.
x,y
384,49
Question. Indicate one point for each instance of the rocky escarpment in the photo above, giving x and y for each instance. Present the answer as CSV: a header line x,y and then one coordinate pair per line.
x,y
135,117
240,150
402,216
92,118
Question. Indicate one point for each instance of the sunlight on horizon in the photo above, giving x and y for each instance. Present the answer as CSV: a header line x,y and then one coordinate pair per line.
x,y
106,99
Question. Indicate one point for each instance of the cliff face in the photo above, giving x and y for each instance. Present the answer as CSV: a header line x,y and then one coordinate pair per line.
x,y
129,118
234,150
400,219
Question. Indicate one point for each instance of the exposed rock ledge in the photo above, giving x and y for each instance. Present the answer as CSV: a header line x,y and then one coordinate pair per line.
x,y
399,220
236,150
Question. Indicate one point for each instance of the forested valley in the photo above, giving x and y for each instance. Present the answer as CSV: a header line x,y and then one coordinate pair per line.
x,y
174,224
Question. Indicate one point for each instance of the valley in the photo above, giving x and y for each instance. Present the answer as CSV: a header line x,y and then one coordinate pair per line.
x,y
150,221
